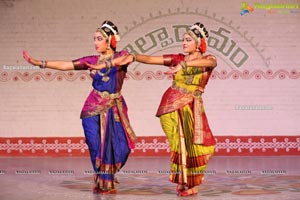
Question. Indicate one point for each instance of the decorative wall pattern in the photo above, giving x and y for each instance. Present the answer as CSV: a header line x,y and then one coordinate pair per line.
x,y
152,146
281,74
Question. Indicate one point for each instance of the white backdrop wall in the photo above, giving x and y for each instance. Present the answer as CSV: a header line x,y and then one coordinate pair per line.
x,y
253,91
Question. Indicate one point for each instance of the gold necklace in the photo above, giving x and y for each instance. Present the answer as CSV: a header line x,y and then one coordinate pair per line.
x,y
187,57
102,58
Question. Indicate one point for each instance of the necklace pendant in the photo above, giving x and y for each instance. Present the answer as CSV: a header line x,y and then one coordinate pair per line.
x,y
105,78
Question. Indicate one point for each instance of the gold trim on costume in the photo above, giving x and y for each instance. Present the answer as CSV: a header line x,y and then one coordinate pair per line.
x,y
107,95
182,151
125,122
102,131
117,101
198,122
106,184
196,93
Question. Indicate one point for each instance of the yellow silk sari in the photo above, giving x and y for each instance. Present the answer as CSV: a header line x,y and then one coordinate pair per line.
x,y
184,122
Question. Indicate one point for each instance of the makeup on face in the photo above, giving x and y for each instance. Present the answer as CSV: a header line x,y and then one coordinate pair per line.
x,y
100,42
189,44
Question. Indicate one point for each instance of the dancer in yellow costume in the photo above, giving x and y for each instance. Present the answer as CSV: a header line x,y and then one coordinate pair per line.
x,y
181,110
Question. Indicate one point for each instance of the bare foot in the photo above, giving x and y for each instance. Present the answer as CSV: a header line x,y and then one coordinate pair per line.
x,y
180,188
189,192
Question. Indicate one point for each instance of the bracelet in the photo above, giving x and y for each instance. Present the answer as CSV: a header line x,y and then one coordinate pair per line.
x,y
134,57
44,64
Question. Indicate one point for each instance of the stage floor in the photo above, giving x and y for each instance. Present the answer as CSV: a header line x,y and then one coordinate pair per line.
x,y
70,178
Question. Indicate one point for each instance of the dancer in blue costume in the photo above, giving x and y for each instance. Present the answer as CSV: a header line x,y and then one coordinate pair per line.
x,y
108,133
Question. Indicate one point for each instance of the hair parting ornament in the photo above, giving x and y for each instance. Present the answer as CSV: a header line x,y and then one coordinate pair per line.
x,y
199,33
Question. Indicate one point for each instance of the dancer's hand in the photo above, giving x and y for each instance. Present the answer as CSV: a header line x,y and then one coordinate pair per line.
x,y
173,70
123,60
95,67
31,60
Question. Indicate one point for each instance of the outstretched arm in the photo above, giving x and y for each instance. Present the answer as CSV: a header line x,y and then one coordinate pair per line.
x,y
59,65
129,58
208,62
116,62
157,60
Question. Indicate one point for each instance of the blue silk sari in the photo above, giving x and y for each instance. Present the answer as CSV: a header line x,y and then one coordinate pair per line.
x,y
108,133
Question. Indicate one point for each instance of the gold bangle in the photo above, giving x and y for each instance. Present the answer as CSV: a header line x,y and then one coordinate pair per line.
x,y
134,57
